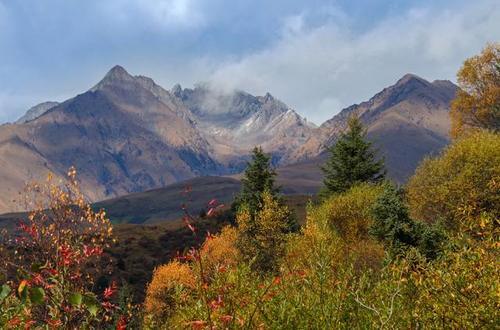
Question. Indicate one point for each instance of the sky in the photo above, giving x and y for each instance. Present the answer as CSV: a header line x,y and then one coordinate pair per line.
x,y
317,56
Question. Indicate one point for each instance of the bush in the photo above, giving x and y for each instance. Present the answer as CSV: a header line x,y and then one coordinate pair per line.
x,y
460,185
168,282
219,252
349,214
53,261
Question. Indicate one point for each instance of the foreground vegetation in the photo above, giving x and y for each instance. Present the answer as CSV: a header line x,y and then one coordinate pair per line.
x,y
364,259
369,255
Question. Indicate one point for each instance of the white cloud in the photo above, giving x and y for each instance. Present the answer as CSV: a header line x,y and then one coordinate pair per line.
x,y
319,70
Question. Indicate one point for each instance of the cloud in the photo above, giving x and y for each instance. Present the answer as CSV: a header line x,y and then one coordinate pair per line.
x,y
317,55
318,70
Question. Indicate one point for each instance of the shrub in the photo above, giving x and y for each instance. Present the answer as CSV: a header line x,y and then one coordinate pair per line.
x,y
460,185
349,214
168,282
53,261
220,252
397,231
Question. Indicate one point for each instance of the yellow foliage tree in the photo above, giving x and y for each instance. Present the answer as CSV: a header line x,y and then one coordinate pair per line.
x,y
261,238
477,104
460,185
162,294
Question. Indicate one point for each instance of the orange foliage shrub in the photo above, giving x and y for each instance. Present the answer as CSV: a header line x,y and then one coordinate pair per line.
x,y
162,291
220,252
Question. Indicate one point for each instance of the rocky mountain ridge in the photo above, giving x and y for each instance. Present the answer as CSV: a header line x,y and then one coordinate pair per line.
x,y
128,134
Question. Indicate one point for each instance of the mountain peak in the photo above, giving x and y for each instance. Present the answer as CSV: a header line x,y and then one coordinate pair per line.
x,y
268,97
176,90
409,78
116,74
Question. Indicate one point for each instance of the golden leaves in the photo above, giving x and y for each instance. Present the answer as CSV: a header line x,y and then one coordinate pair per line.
x,y
459,186
477,104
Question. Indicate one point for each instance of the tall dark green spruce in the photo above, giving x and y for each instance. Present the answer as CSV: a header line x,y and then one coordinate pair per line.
x,y
259,177
352,161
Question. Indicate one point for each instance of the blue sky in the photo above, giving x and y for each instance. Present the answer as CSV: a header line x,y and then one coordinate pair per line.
x,y
317,56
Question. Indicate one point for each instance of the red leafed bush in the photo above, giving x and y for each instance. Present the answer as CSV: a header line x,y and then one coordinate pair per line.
x,y
52,261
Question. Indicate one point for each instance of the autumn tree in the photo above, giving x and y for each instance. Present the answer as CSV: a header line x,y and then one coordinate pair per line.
x,y
261,237
352,161
477,104
461,186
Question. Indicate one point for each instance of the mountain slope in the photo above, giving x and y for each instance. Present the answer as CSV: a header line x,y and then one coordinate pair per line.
x,y
406,121
128,134
123,135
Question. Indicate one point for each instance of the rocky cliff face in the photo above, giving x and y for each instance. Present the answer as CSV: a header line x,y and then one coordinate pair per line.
x,y
128,134
235,122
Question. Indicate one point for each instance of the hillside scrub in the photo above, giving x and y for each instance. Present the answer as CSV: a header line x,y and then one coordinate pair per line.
x,y
460,187
362,260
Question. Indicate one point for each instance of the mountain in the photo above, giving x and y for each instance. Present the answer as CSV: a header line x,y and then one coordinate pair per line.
x,y
127,134
406,121
235,122
36,111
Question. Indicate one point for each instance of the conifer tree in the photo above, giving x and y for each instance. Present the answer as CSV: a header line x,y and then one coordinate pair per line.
x,y
352,161
259,176
393,226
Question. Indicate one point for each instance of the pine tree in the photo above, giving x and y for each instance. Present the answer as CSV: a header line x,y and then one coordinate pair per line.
x,y
259,176
352,161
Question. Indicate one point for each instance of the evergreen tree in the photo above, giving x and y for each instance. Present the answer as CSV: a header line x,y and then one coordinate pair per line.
x,y
393,226
352,161
259,176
